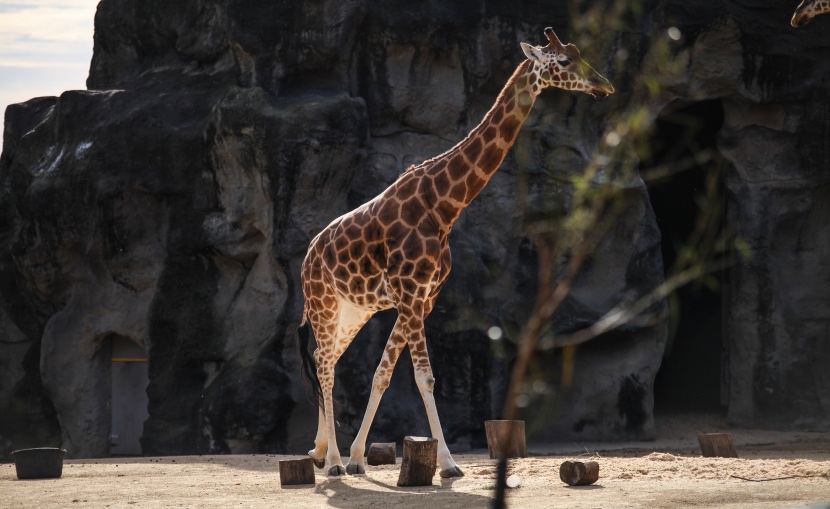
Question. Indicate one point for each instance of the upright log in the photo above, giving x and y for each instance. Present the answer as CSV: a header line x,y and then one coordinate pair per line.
x,y
299,471
420,455
579,473
382,453
714,445
506,439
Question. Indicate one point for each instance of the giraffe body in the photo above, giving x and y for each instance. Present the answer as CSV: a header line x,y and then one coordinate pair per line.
x,y
393,251
809,9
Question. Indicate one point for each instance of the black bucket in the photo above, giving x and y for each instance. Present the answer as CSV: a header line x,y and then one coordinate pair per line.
x,y
39,463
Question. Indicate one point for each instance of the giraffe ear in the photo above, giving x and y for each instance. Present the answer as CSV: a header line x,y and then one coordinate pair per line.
x,y
532,52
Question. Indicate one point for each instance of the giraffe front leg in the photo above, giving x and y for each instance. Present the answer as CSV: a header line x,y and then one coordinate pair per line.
x,y
380,382
318,454
426,385
356,463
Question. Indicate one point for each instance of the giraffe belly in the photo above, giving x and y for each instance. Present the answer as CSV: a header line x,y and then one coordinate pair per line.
x,y
362,284
369,302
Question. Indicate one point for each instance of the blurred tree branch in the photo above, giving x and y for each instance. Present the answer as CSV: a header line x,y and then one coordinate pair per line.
x,y
601,193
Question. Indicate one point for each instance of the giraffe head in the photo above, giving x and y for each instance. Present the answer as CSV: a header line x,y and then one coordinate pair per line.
x,y
807,10
559,65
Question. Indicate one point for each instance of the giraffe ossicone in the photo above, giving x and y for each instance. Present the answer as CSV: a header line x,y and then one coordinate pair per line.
x,y
393,251
807,10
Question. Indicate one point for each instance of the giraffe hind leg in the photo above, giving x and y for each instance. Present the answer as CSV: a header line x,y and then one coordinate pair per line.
x,y
325,371
312,380
318,454
309,374
336,336
324,324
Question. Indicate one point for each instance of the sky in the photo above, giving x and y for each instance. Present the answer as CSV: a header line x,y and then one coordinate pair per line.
x,y
45,48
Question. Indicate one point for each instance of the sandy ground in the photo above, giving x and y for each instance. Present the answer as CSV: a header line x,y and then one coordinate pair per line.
x,y
789,469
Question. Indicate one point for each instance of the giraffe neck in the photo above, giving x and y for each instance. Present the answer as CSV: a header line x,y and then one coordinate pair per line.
x,y
818,7
459,174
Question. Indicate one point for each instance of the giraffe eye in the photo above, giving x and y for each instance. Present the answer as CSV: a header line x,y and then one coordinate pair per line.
x,y
565,63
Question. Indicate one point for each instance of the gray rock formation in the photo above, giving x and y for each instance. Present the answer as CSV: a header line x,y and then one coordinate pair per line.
x,y
171,204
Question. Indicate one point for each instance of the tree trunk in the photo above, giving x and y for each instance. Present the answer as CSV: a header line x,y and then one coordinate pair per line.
x,y
420,455
717,445
296,472
506,439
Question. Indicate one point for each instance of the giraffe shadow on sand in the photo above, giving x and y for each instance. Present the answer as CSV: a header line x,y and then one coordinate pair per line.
x,y
373,492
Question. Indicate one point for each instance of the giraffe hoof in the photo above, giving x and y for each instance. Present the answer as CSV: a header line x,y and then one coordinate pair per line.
x,y
337,470
451,472
354,469
319,463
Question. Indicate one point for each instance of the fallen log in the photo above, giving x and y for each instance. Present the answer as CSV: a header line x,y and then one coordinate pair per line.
x,y
579,473
382,453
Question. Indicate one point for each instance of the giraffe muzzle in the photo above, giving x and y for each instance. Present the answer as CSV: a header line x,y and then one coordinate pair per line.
x,y
800,19
602,89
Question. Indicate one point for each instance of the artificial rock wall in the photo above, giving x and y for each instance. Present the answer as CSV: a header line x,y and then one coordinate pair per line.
x,y
171,204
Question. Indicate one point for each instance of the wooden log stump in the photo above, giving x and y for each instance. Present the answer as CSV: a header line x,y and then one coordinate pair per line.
x,y
579,473
714,445
294,472
420,455
382,453
506,439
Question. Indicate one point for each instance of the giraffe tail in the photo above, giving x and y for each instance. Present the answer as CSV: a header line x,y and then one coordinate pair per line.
x,y
309,371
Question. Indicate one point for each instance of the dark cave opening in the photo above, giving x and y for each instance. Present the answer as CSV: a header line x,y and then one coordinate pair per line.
x,y
683,156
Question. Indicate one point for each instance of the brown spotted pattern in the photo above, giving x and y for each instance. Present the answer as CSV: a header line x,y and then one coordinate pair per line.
x,y
393,252
809,9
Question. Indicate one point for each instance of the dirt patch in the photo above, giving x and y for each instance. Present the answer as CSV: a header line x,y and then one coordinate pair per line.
x,y
659,474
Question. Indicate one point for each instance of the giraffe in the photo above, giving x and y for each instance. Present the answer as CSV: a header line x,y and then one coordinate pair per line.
x,y
393,252
809,9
